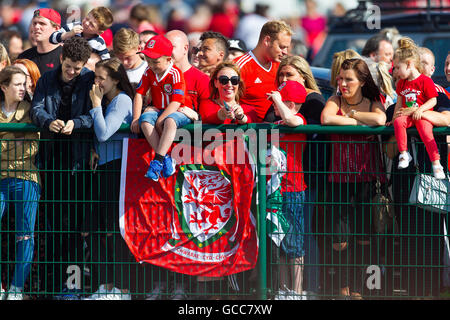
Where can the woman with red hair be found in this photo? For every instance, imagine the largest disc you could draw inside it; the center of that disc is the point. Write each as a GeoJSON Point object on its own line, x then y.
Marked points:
{"type": "Point", "coordinates": [32, 72]}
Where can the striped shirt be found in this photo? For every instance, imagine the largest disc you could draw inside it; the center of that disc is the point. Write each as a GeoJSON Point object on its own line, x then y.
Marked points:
{"type": "Point", "coordinates": [441, 89]}
{"type": "Point", "coordinates": [170, 87]}
{"type": "Point", "coordinates": [97, 43]}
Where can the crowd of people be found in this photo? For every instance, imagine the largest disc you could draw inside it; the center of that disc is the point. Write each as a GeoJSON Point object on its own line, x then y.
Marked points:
{"type": "Point", "coordinates": [155, 81]}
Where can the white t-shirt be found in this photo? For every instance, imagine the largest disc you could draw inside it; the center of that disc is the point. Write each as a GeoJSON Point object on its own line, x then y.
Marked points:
{"type": "Point", "coordinates": [135, 75]}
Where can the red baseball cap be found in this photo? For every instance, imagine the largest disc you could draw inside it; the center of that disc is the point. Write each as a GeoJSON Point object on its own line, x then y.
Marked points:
{"type": "Point", "coordinates": [158, 46]}
{"type": "Point", "coordinates": [50, 14]}
{"type": "Point", "coordinates": [292, 91]}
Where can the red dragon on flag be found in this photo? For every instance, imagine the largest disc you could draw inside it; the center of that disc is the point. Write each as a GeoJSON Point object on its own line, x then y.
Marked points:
{"type": "Point", "coordinates": [196, 222]}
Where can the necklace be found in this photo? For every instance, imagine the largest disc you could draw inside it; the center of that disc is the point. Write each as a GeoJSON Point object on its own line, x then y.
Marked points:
{"type": "Point", "coordinates": [354, 104]}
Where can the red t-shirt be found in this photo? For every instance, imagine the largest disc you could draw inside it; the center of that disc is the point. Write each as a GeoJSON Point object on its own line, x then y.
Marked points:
{"type": "Point", "coordinates": [208, 113]}
{"type": "Point", "coordinates": [419, 90]}
{"type": "Point", "coordinates": [258, 81]}
{"type": "Point", "coordinates": [171, 87]}
{"type": "Point", "coordinates": [293, 144]}
{"type": "Point", "coordinates": [197, 86]}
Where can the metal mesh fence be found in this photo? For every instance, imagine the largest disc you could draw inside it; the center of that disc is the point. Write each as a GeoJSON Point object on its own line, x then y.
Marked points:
{"type": "Point", "coordinates": [330, 247]}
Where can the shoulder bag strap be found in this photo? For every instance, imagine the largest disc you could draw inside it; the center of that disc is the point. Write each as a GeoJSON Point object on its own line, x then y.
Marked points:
{"type": "Point", "coordinates": [414, 150]}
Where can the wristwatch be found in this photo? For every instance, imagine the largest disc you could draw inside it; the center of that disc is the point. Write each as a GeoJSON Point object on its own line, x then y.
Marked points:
{"type": "Point", "coordinates": [352, 112]}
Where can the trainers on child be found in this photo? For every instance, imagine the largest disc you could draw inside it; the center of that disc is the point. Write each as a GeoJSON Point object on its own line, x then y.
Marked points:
{"type": "Point", "coordinates": [154, 170]}
{"type": "Point", "coordinates": [403, 160]}
{"type": "Point", "coordinates": [168, 166]}
{"type": "Point", "coordinates": [438, 171]}
{"type": "Point", "coordinates": [14, 293]}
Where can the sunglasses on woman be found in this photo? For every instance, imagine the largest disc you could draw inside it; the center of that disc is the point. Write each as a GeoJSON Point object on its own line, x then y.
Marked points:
{"type": "Point", "coordinates": [195, 50]}
{"type": "Point", "coordinates": [224, 80]}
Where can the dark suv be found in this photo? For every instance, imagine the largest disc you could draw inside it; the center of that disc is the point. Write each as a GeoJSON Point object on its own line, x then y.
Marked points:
{"type": "Point", "coordinates": [428, 27]}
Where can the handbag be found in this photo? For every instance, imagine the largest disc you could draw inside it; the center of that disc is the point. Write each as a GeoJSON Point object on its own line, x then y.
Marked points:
{"type": "Point", "coordinates": [383, 214]}
{"type": "Point", "coordinates": [428, 192]}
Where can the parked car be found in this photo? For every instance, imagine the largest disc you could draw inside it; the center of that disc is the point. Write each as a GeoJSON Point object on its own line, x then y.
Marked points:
{"type": "Point", "coordinates": [322, 77]}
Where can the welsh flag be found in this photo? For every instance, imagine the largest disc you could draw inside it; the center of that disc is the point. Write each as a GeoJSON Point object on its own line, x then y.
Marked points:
{"type": "Point", "coordinates": [277, 225]}
{"type": "Point", "coordinates": [196, 222]}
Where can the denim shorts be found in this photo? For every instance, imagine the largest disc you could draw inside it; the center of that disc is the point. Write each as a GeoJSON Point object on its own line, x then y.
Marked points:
{"type": "Point", "coordinates": [151, 116]}
{"type": "Point", "coordinates": [292, 244]}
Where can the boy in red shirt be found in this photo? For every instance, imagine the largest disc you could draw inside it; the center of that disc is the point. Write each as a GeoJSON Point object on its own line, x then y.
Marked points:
{"type": "Point", "coordinates": [160, 121]}
{"type": "Point", "coordinates": [287, 102]}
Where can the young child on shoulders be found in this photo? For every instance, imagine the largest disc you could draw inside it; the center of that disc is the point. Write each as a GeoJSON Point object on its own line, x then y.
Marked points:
{"type": "Point", "coordinates": [416, 95]}
{"type": "Point", "coordinates": [160, 121]}
{"type": "Point", "coordinates": [93, 25]}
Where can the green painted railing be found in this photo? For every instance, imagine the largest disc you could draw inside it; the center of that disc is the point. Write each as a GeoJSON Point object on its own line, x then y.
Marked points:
{"type": "Point", "coordinates": [268, 268]}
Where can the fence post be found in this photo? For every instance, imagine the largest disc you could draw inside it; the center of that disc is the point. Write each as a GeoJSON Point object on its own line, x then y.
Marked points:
{"type": "Point", "coordinates": [261, 207]}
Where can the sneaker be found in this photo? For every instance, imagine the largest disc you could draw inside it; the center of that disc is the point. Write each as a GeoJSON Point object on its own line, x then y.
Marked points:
{"type": "Point", "coordinates": [281, 295]}
{"type": "Point", "coordinates": [154, 170]}
{"type": "Point", "coordinates": [2, 292]}
{"type": "Point", "coordinates": [168, 166]}
{"type": "Point", "coordinates": [69, 294]}
{"type": "Point", "coordinates": [178, 294]}
{"type": "Point", "coordinates": [116, 294]}
{"type": "Point", "coordinates": [97, 295]}
{"type": "Point", "coordinates": [309, 295]}
{"type": "Point", "coordinates": [438, 172]}
{"type": "Point", "coordinates": [289, 294]}
{"type": "Point", "coordinates": [15, 293]}
{"type": "Point", "coordinates": [293, 295]}
{"type": "Point", "coordinates": [403, 160]}
{"type": "Point", "coordinates": [155, 294]}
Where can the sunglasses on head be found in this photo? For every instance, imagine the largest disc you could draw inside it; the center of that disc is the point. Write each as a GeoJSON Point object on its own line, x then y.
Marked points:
{"type": "Point", "coordinates": [224, 80]}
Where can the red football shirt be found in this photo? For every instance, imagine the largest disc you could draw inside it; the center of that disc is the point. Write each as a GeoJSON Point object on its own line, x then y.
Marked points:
{"type": "Point", "coordinates": [197, 86]}
{"type": "Point", "coordinates": [258, 81]}
{"type": "Point", "coordinates": [208, 113]}
{"type": "Point", "coordinates": [170, 87]}
{"type": "Point", "coordinates": [441, 89]}
{"type": "Point", "coordinates": [419, 90]}
{"type": "Point", "coordinates": [294, 145]}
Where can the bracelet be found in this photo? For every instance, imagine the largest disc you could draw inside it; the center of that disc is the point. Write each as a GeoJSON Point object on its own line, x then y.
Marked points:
{"type": "Point", "coordinates": [353, 112]}
{"type": "Point", "coordinates": [240, 119]}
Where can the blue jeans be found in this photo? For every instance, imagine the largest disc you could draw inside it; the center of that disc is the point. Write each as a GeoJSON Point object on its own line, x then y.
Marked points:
{"type": "Point", "coordinates": [151, 116]}
{"type": "Point", "coordinates": [292, 243]}
{"type": "Point", "coordinates": [24, 194]}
